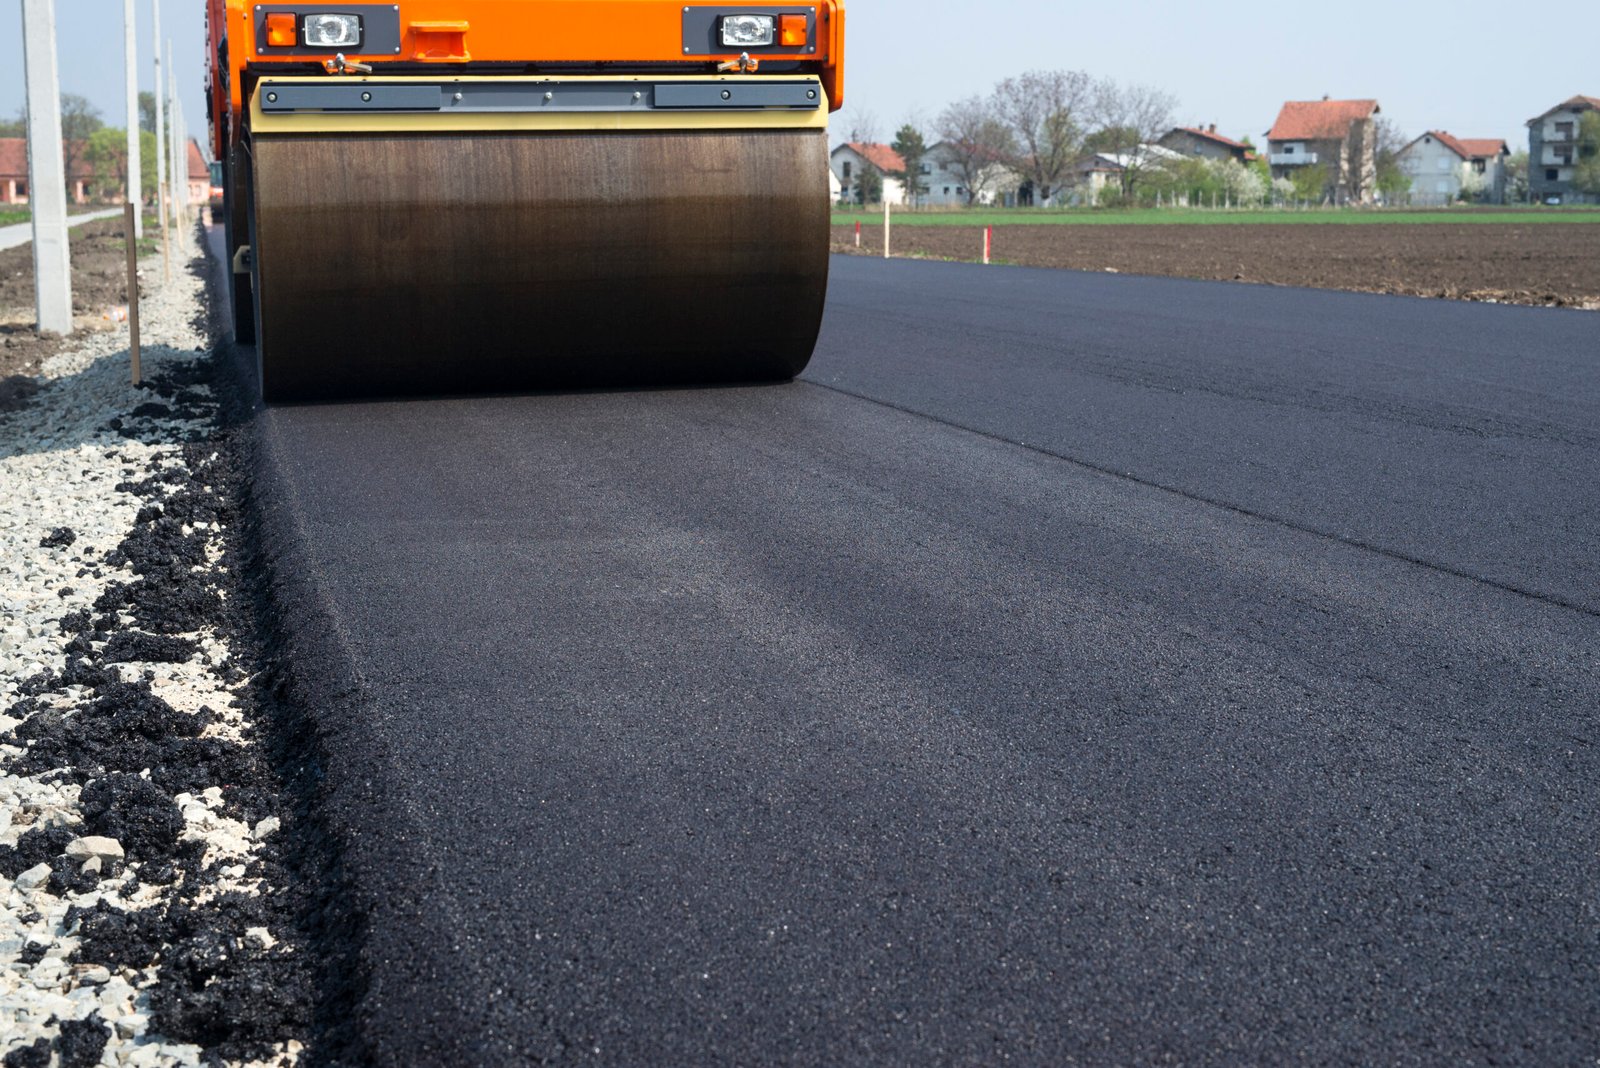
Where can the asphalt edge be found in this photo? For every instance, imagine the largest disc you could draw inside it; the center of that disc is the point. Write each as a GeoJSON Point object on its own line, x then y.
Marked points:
{"type": "Point", "coordinates": [358, 844]}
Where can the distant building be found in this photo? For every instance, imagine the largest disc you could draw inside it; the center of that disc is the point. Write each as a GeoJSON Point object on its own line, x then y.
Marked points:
{"type": "Point", "coordinates": [1339, 136]}
{"type": "Point", "coordinates": [1441, 166]}
{"type": "Point", "coordinates": [1093, 174]}
{"type": "Point", "coordinates": [851, 159]}
{"type": "Point", "coordinates": [1553, 149]}
{"type": "Point", "coordinates": [1207, 144]}
{"type": "Point", "coordinates": [944, 179]}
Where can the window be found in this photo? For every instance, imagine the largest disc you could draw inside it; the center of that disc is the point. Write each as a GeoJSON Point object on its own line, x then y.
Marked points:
{"type": "Point", "coordinates": [1444, 163]}
{"type": "Point", "coordinates": [847, 170]}
{"type": "Point", "coordinates": [1480, 166]}
{"type": "Point", "coordinates": [1563, 131]}
{"type": "Point", "coordinates": [22, 188]}
{"type": "Point", "coordinates": [1288, 150]}
{"type": "Point", "coordinates": [1551, 174]}
{"type": "Point", "coordinates": [927, 168]}
{"type": "Point", "coordinates": [1443, 187]}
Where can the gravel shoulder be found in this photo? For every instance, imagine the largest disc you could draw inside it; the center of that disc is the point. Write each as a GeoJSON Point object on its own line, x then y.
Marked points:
{"type": "Point", "coordinates": [1551, 264]}
{"type": "Point", "coordinates": [147, 912]}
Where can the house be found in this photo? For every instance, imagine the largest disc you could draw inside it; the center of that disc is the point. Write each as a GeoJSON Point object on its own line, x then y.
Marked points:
{"type": "Point", "coordinates": [945, 174]}
{"type": "Point", "coordinates": [1091, 175]}
{"type": "Point", "coordinates": [1442, 167]}
{"type": "Point", "coordinates": [1206, 143]}
{"type": "Point", "coordinates": [1553, 149]}
{"type": "Point", "coordinates": [852, 158]}
{"type": "Point", "coordinates": [199, 175]}
{"type": "Point", "coordinates": [14, 174]}
{"type": "Point", "coordinates": [1339, 136]}
{"type": "Point", "coordinates": [13, 170]}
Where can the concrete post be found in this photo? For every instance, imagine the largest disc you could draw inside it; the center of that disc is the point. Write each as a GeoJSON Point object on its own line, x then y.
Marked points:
{"type": "Point", "coordinates": [130, 54]}
{"type": "Point", "coordinates": [161, 121]}
{"type": "Point", "coordinates": [174, 178]}
{"type": "Point", "coordinates": [47, 181]}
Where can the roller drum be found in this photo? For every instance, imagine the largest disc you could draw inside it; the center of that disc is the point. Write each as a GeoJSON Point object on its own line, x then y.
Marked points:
{"type": "Point", "coordinates": [472, 262]}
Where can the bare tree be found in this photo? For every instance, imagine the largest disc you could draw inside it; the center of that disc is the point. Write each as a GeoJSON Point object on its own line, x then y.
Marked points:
{"type": "Point", "coordinates": [1044, 110]}
{"type": "Point", "coordinates": [1388, 140]}
{"type": "Point", "coordinates": [1128, 119]}
{"type": "Point", "coordinates": [864, 126]}
{"type": "Point", "coordinates": [978, 144]}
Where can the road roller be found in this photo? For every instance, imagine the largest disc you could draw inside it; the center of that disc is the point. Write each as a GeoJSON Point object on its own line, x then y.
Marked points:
{"type": "Point", "coordinates": [465, 196]}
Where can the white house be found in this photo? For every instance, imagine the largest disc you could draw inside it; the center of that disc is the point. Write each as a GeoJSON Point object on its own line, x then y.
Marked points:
{"type": "Point", "coordinates": [1441, 166]}
{"type": "Point", "coordinates": [944, 180]}
{"type": "Point", "coordinates": [850, 159]}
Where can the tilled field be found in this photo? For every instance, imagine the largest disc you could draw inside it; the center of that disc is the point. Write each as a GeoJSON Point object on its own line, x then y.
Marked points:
{"type": "Point", "coordinates": [1549, 264]}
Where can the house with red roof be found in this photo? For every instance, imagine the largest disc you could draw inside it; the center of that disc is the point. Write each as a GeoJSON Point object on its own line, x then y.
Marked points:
{"type": "Point", "coordinates": [1554, 147]}
{"type": "Point", "coordinates": [84, 184]}
{"type": "Point", "coordinates": [854, 158]}
{"type": "Point", "coordinates": [1205, 142]}
{"type": "Point", "coordinates": [1337, 136]}
{"type": "Point", "coordinates": [1444, 168]}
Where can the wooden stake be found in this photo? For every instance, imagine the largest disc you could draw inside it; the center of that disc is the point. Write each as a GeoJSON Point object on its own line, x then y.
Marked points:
{"type": "Point", "coordinates": [130, 230]}
{"type": "Point", "coordinates": [885, 227]}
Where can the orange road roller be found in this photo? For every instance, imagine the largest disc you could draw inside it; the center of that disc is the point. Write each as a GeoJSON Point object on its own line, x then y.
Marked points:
{"type": "Point", "coordinates": [454, 196]}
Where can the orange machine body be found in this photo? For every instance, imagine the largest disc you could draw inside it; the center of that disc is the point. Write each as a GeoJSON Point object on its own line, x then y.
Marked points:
{"type": "Point", "coordinates": [503, 36]}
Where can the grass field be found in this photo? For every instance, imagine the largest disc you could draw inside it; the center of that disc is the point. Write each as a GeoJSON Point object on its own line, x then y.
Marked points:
{"type": "Point", "coordinates": [1176, 216]}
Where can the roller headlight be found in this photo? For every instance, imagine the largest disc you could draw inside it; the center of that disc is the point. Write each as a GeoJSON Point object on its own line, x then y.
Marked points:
{"type": "Point", "coordinates": [331, 31]}
{"type": "Point", "coordinates": [747, 31]}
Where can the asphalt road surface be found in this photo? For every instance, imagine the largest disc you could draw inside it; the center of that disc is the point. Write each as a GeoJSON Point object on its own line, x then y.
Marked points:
{"type": "Point", "coordinates": [1071, 669]}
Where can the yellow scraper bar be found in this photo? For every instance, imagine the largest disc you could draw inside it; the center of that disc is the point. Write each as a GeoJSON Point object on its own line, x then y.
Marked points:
{"type": "Point", "coordinates": [534, 117]}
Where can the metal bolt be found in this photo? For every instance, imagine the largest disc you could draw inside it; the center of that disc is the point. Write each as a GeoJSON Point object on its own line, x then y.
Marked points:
{"type": "Point", "coordinates": [366, 96]}
{"type": "Point", "coordinates": [726, 95]}
{"type": "Point", "coordinates": [458, 96]}
{"type": "Point", "coordinates": [272, 98]}
{"type": "Point", "coordinates": [638, 96]}
{"type": "Point", "coordinates": [549, 96]}
{"type": "Point", "coordinates": [811, 94]}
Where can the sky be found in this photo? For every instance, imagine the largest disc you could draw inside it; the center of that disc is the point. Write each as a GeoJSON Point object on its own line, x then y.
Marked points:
{"type": "Point", "coordinates": [89, 55]}
{"type": "Point", "coordinates": [1461, 66]}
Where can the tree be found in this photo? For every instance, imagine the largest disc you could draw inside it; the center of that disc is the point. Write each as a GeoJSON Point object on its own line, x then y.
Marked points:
{"type": "Point", "coordinates": [106, 152]}
{"type": "Point", "coordinates": [1044, 111]}
{"type": "Point", "coordinates": [1586, 166]}
{"type": "Point", "coordinates": [1128, 118]}
{"type": "Point", "coordinates": [79, 120]}
{"type": "Point", "coordinates": [869, 185]}
{"type": "Point", "coordinates": [1388, 140]}
{"type": "Point", "coordinates": [147, 111]}
{"type": "Point", "coordinates": [1241, 185]}
{"type": "Point", "coordinates": [1310, 183]}
{"type": "Point", "coordinates": [864, 126]}
{"type": "Point", "coordinates": [978, 143]}
{"type": "Point", "coordinates": [912, 147]}
{"type": "Point", "coordinates": [1516, 170]}
{"type": "Point", "coordinates": [17, 127]}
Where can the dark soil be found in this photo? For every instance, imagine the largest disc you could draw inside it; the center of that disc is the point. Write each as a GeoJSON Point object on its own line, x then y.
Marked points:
{"type": "Point", "coordinates": [1550, 263]}
{"type": "Point", "coordinates": [99, 281]}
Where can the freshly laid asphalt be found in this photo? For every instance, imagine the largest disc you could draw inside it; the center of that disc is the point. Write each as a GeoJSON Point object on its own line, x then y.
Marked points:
{"type": "Point", "coordinates": [1070, 669]}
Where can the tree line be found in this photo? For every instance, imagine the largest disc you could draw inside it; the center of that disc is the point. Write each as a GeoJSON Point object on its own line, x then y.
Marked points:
{"type": "Point", "coordinates": [88, 143]}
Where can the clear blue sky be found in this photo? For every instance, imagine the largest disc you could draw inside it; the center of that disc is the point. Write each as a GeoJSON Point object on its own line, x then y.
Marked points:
{"type": "Point", "coordinates": [89, 54]}
{"type": "Point", "coordinates": [1465, 66]}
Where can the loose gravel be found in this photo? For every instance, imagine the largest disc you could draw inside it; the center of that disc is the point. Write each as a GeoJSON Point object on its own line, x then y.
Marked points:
{"type": "Point", "coordinates": [146, 915]}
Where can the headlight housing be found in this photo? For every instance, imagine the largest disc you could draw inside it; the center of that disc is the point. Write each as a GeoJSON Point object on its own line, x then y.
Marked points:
{"type": "Point", "coordinates": [331, 31]}
{"type": "Point", "coordinates": [748, 31]}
